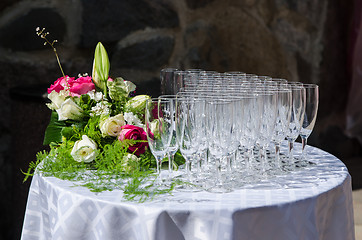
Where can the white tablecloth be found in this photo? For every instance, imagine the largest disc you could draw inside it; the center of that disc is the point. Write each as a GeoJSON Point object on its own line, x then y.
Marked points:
{"type": "Point", "coordinates": [322, 210]}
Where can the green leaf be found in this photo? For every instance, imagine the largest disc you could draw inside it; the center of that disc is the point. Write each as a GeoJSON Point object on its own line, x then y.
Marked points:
{"type": "Point", "coordinates": [178, 158]}
{"type": "Point", "coordinates": [67, 132]}
{"type": "Point", "coordinates": [53, 133]}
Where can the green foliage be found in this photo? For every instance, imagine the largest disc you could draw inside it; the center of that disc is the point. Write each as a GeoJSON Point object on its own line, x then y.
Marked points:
{"type": "Point", "coordinates": [118, 106]}
{"type": "Point", "coordinates": [107, 172]}
{"type": "Point", "coordinates": [114, 167]}
{"type": "Point", "coordinates": [86, 103]}
{"type": "Point", "coordinates": [179, 159]}
{"type": "Point", "coordinates": [111, 158]}
{"type": "Point", "coordinates": [54, 129]}
{"type": "Point", "coordinates": [147, 160]}
{"type": "Point", "coordinates": [33, 165]}
{"type": "Point", "coordinates": [93, 132]}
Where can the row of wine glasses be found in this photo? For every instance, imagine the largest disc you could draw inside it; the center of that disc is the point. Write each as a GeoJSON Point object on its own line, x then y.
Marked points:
{"type": "Point", "coordinates": [225, 123]}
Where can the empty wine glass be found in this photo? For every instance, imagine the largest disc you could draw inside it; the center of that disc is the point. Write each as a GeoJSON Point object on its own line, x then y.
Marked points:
{"type": "Point", "coordinates": [284, 106]}
{"type": "Point", "coordinates": [158, 119]}
{"type": "Point", "coordinates": [186, 133]}
{"type": "Point", "coordinates": [310, 114]}
{"type": "Point", "coordinates": [173, 147]}
{"type": "Point", "coordinates": [268, 118]}
{"type": "Point", "coordinates": [296, 119]}
{"type": "Point", "coordinates": [249, 127]}
{"type": "Point", "coordinates": [168, 83]}
{"type": "Point", "coordinates": [219, 124]}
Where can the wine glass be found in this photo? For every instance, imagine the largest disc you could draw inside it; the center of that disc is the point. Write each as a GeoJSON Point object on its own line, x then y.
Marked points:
{"type": "Point", "coordinates": [168, 83]}
{"type": "Point", "coordinates": [296, 119]}
{"type": "Point", "coordinates": [173, 147]}
{"type": "Point", "coordinates": [219, 123]}
{"type": "Point", "coordinates": [249, 127]}
{"type": "Point", "coordinates": [284, 106]}
{"type": "Point", "coordinates": [158, 119]}
{"type": "Point", "coordinates": [268, 115]}
{"type": "Point", "coordinates": [179, 79]}
{"type": "Point", "coordinates": [186, 133]}
{"type": "Point", "coordinates": [310, 115]}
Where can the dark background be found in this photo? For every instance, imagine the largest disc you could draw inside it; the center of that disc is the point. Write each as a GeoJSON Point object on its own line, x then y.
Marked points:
{"type": "Point", "coordinates": [307, 41]}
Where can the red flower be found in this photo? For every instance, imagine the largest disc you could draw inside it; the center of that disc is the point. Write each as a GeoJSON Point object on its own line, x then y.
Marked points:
{"type": "Point", "coordinates": [80, 86]}
{"type": "Point", "coordinates": [77, 87]}
{"type": "Point", "coordinates": [136, 133]}
{"type": "Point", "coordinates": [60, 84]}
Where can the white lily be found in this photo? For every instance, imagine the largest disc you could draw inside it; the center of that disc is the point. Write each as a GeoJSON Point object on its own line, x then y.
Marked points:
{"type": "Point", "coordinates": [101, 67]}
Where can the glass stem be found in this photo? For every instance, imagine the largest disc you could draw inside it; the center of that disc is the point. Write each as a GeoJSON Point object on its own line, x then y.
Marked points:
{"type": "Point", "coordinates": [199, 162]}
{"type": "Point", "coordinates": [170, 165]}
{"type": "Point", "coordinates": [218, 171]}
{"type": "Point", "coordinates": [158, 165]}
{"type": "Point", "coordinates": [235, 165]}
{"type": "Point", "coordinates": [158, 169]}
{"type": "Point", "coordinates": [304, 144]}
{"type": "Point", "coordinates": [203, 160]}
{"type": "Point", "coordinates": [249, 160]}
{"type": "Point", "coordinates": [228, 163]}
{"type": "Point", "coordinates": [291, 147]}
{"type": "Point", "coordinates": [188, 169]}
{"type": "Point", "coordinates": [170, 162]}
{"type": "Point", "coordinates": [263, 159]}
{"type": "Point", "coordinates": [207, 156]}
{"type": "Point", "coordinates": [277, 157]}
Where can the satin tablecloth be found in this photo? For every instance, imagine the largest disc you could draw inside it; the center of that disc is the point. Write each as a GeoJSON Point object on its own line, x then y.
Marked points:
{"type": "Point", "coordinates": [306, 209]}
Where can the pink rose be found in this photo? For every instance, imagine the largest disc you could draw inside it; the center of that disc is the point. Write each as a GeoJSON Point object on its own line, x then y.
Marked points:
{"type": "Point", "coordinates": [136, 133]}
{"type": "Point", "coordinates": [80, 86]}
{"type": "Point", "coordinates": [60, 84]}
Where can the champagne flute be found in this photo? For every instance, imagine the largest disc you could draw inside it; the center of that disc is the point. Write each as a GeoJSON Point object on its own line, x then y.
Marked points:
{"type": "Point", "coordinates": [220, 123]}
{"type": "Point", "coordinates": [268, 116]}
{"type": "Point", "coordinates": [158, 119]}
{"type": "Point", "coordinates": [296, 119]}
{"type": "Point", "coordinates": [186, 133]}
{"type": "Point", "coordinates": [284, 106]}
{"type": "Point", "coordinates": [250, 125]}
{"type": "Point", "coordinates": [310, 115]}
{"type": "Point", "coordinates": [168, 83]}
{"type": "Point", "coordinates": [173, 147]}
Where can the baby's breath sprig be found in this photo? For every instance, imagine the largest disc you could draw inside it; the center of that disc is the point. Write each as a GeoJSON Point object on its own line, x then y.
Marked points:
{"type": "Point", "coordinates": [43, 34]}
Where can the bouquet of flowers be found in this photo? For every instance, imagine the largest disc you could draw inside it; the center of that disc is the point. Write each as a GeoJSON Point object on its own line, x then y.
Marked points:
{"type": "Point", "coordinates": [97, 125]}
{"type": "Point", "coordinates": [96, 111]}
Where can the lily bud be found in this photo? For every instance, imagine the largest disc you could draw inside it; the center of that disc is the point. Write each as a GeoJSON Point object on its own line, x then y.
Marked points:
{"type": "Point", "coordinates": [101, 67]}
{"type": "Point", "coordinates": [137, 104]}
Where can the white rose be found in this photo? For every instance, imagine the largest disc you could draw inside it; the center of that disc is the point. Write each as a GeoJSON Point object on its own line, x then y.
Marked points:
{"type": "Point", "coordinates": [69, 110]}
{"type": "Point", "coordinates": [57, 99]}
{"type": "Point", "coordinates": [112, 126]}
{"type": "Point", "coordinates": [84, 150]}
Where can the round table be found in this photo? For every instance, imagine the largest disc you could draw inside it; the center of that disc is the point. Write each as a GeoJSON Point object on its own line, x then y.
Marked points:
{"type": "Point", "coordinates": [315, 203]}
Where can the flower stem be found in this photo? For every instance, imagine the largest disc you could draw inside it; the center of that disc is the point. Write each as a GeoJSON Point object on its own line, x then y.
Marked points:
{"type": "Point", "coordinates": [58, 60]}
{"type": "Point", "coordinates": [41, 33]}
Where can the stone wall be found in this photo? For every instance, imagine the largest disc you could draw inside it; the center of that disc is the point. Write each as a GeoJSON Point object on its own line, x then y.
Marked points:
{"type": "Point", "coordinates": [299, 40]}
